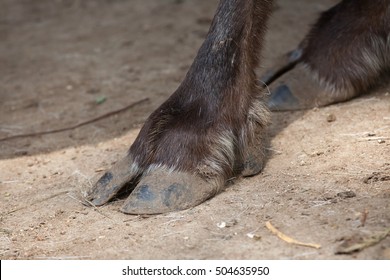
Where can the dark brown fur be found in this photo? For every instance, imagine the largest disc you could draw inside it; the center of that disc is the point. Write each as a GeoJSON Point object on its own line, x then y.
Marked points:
{"type": "Point", "coordinates": [214, 97]}
{"type": "Point", "coordinates": [349, 46]}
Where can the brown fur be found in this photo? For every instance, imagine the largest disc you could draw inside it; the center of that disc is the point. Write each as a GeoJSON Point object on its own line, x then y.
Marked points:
{"type": "Point", "coordinates": [205, 126]}
{"type": "Point", "coordinates": [349, 47]}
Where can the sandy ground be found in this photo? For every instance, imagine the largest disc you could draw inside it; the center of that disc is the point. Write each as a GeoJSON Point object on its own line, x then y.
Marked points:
{"type": "Point", "coordinates": [327, 179]}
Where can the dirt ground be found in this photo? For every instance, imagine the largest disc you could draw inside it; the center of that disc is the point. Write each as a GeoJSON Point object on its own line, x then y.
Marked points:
{"type": "Point", "coordinates": [62, 62]}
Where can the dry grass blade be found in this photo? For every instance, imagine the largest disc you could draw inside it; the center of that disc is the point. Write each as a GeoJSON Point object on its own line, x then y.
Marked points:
{"type": "Point", "coordinates": [356, 244]}
{"type": "Point", "coordinates": [86, 202]}
{"type": "Point", "coordinates": [5, 231]}
{"type": "Point", "coordinates": [288, 239]}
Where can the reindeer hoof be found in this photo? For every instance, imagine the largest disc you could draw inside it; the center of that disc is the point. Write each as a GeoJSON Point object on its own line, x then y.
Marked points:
{"type": "Point", "coordinates": [298, 89]}
{"type": "Point", "coordinates": [253, 165]}
{"type": "Point", "coordinates": [164, 191]}
{"type": "Point", "coordinates": [158, 191]}
{"type": "Point", "coordinates": [281, 99]}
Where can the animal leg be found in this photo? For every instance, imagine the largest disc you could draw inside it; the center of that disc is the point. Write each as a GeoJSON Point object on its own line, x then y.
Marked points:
{"type": "Point", "coordinates": [344, 54]}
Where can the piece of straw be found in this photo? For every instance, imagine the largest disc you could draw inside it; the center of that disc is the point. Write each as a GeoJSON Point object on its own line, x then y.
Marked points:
{"type": "Point", "coordinates": [289, 239]}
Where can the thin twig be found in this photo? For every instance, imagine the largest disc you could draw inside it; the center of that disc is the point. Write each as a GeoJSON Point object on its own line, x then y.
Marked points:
{"type": "Point", "coordinates": [62, 257]}
{"type": "Point", "coordinates": [373, 139]}
{"type": "Point", "coordinates": [289, 239]}
{"type": "Point", "coordinates": [357, 244]}
{"type": "Point", "coordinates": [5, 231]}
{"type": "Point", "coordinates": [38, 201]}
{"type": "Point", "coordinates": [39, 133]}
{"type": "Point", "coordinates": [4, 251]}
{"type": "Point", "coordinates": [86, 202]}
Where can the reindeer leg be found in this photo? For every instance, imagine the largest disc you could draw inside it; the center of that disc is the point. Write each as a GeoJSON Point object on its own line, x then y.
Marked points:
{"type": "Point", "coordinates": [190, 145]}
{"type": "Point", "coordinates": [345, 53]}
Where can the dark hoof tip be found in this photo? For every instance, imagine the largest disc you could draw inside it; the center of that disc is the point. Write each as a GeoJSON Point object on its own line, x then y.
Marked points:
{"type": "Point", "coordinates": [163, 191]}
{"type": "Point", "coordinates": [120, 177]}
{"type": "Point", "coordinates": [252, 166]}
{"type": "Point", "coordinates": [282, 99]}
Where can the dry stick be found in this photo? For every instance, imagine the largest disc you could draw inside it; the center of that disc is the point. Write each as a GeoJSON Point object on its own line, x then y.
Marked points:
{"type": "Point", "coordinates": [5, 231]}
{"type": "Point", "coordinates": [84, 202]}
{"type": "Point", "coordinates": [362, 244]}
{"type": "Point", "coordinates": [34, 134]}
{"type": "Point", "coordinates": [373, 139]}
{"type": "Point", "coordinates": [289, 239]}
{"type": "Point", "coordinates": [62, 257]}
{"type": "Point", "coordinates": [38, 201]}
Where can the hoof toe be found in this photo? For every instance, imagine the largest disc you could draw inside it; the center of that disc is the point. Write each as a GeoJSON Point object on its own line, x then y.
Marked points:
{"type": "Point", "coordinates": [252, 166]}
{"type": "Point", "coordinates": [122, 174]}
{"type": "Point", "coordinates": [281, 99]}
{"type": "Point", "coordinates": [163, 191]}
{"type": "Point", "coordinates": [298, 89]}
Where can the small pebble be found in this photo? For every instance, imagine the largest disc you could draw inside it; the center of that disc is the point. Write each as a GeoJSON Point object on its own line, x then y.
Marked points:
{"type": "Point", "coordinates": [346, 194]}
{"type": "Point", "coordinates": [331, 118]}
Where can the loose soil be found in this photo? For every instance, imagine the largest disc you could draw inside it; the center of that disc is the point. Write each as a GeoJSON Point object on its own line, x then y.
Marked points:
{"type": "Point", "coordinates": [327, 179]}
